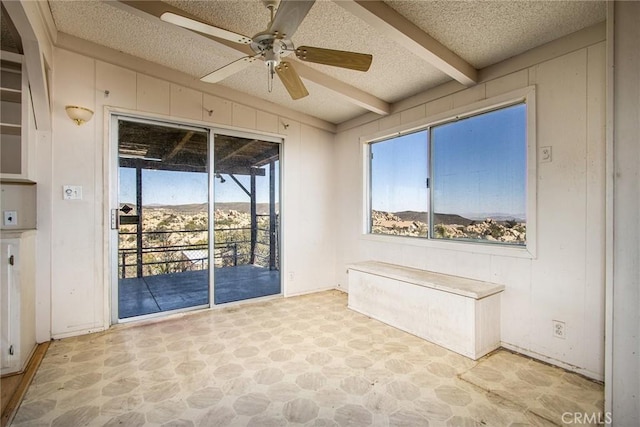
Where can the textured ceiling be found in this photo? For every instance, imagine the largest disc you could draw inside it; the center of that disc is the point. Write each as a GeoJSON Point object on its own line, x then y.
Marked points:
{"type": "Point", "coordinates": [487, 32]}
{"type": "Point", "coordinates": [162, 43]}
{"type": "Point", "coordinates": [9, 40]}
{"type": "Point", "coordinates": [481, 32]}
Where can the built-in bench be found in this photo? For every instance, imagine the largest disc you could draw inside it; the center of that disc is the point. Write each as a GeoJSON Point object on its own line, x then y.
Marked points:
{"type": "Point", "coordinates": [460, 314]}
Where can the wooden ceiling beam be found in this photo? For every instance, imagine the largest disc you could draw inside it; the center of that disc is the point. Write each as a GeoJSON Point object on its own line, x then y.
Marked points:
{"type": "Point", "coordinates": [389, 23]}
{"type": "Point", "coordinates": [349, 93]}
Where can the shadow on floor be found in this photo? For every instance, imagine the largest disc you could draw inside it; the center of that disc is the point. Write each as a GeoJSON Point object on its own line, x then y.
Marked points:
{"type": "Point", "coordinates": [154, 294]}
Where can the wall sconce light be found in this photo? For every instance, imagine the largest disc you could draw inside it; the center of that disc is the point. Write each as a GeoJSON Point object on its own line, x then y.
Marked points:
{"type": "Point", "coordinates": [79, 115]}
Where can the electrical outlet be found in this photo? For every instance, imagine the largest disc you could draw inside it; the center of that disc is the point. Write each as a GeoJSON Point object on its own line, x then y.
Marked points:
{"type": "Point", "coordinates": [10, 218]}
{"type": "Point", "coordinates": [72, 192]}
{"type": "Point", "coordinates": [545, 154]}
{"type": "Point", "coordinates": [559, 329]}
{"type": "Point", "coordinates": [291, 276]}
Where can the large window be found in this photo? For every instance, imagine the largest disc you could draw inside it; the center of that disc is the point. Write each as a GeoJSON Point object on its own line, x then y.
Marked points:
{"type": "Point", "coordinates": [463, 179]}
{"type": "Point", "coordinates": [398, 186]}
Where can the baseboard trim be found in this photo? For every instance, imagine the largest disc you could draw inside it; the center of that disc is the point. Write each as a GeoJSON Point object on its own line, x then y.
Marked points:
{"type": "Point", "coordinates": [29, 372]}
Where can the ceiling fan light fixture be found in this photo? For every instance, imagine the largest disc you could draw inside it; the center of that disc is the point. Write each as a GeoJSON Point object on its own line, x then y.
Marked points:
{"type": "Point", "coordinates": [272, 59]}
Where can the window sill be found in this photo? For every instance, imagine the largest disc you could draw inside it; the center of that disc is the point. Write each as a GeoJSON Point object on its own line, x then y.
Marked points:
{"type": "Point", "coordinates": [478, 248]}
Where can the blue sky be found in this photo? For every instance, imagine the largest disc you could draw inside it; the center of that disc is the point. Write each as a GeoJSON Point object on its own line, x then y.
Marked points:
{"type": "Point", "coordinates": [479, 167]}
{"type": "Point", "coordinates": [179, 188]}
{"type": "Point", "coordinates": [399, 173]}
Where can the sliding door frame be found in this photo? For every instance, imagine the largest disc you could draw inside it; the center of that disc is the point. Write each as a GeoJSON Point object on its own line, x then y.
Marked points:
{"type": "Point", "coordinates": [111, 164]}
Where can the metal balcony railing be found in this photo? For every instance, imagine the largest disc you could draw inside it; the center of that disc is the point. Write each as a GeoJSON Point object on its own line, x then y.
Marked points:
{"type": "Point", "coordinates": [166, 252]}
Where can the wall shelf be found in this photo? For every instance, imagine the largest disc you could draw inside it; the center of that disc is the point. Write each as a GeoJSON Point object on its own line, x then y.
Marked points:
{"type": "Point", "coordinates": [13, 112]}
{"type": "Point", "coordinates": [10, 95]}
{"type": "Point", "coordinates": [10, 129]}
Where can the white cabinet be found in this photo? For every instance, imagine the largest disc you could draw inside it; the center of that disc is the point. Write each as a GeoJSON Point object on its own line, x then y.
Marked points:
{"type": "Point", "coordinates": [17, 300]}
{"type": "Point", "coordinates": [10, 306]}
{"type": "Point", "coordinates": [14, 110]}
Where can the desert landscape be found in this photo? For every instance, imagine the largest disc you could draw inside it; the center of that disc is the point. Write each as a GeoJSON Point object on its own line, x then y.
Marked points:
{"type": "Point", "coordinates": [175, 238]}
{"type": "Point", "coordinates": [416, 224]}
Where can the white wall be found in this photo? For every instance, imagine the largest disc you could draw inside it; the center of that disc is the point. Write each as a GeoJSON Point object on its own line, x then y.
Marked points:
{"type": "Point", "coordinates": [623, 381]}
{"type": "Point", "coordinates": [565, 281]}
{"type": "Point", "coordinates": [77, 288]}
{"type": "Point", "coordinates": [309, 238]}
{"type": "Point", "coordinates": [79, 244]}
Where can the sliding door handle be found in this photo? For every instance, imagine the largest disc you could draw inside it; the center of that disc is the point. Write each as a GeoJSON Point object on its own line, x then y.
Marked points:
{"type": "Point", "coordinates": [115, 219]}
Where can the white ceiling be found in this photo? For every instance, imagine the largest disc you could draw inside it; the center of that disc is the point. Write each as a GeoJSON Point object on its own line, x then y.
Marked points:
{"type": "Point", "coordinates": [481, 32]}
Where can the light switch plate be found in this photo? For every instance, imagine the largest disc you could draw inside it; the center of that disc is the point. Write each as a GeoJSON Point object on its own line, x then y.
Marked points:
{"type": "Point", "coordinates": [72, 192]}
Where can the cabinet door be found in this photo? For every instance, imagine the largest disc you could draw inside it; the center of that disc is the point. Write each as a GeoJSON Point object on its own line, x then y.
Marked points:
{"type": "Point", "coordinates": [9, 306]}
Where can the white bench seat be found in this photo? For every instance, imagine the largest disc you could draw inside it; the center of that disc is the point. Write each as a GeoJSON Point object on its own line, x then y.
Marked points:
{"type": "Point", "coordinates": [457, 313]}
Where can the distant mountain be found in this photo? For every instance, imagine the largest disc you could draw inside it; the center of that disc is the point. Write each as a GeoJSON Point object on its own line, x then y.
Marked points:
{"type": "Point", "coordinates": [449, 219]}
{"type": "Point", "coordinates": [498, 216]}
{"type": "Point", "coordinates": [193, 207]}
{"type": "Point", "coordinates": [263, 209]}
{"type": "Point", "coordinates": [413, 216]}
{"type": "Point", "coordinates": [440, 218]}
{"type": "Point", "coordinates": [244, 207]}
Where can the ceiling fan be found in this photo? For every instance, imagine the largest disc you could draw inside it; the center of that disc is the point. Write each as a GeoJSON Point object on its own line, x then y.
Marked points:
{"type": "Point", "coordinates": [273, 45]}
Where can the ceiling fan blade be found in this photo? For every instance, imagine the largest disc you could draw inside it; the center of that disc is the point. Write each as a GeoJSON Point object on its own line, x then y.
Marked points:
{"type": "Point", "coordinates": [291, 80]}
{"type": "Point", "coordinates": [229, 69]}
{"type": "Point", "coordinates": [337, 58]}
{"type": "Point", "coordinates": [289, 16]}
{"type": "Point", "coordinates": [201, 27]}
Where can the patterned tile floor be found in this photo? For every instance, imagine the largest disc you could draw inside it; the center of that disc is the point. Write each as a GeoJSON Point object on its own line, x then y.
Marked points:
{"type": "Point", "coordinates": [298, 361]}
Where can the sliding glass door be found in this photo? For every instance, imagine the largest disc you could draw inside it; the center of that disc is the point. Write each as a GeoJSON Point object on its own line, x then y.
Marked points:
{"type": "Point", "coordinates": [163, 215]}
{"type": "Point", "coordinates": [196, 220]}
{"type": "Point", "coordinates": [246, 219]}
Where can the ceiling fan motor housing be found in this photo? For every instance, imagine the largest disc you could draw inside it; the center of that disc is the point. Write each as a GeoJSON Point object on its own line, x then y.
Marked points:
{"type": "Point", "coordinates": [263, 42]}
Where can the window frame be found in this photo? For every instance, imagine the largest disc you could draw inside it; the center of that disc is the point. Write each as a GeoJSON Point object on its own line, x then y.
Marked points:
{"type": "Point", "coordinates": [525, 95]}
